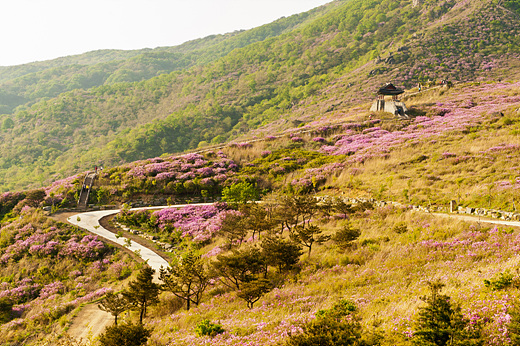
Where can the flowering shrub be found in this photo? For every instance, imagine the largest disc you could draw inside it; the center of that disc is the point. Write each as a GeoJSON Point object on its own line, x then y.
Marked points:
{"type": "Point", "coordinates": [180, 175]}
{"type": "Point", "coordinates": [197, 222]}
{"type": "Point", "coordinates": [61, 270]}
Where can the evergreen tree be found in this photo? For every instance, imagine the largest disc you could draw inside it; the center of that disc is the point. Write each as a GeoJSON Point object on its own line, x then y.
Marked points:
{"type": "Point", "coordinates": [256, 218]}
{"type": "Point", "coordinates": [239, 267]}
{"type": "Point", "coordinates": [307, 236]}
{"type": "Point", "coordinates": [440, 323]}
{"type": "Point", "coordinates": [142, 292]}
{"type": "Point", "coordinates": [233, 229]}
{"type": "Point", "coordinates": [281, 253]}
{"type": "Point", "coordinates": [252, 291]}
{"type": "Point", "coordinates": [187, 278]}
{"type": "Point", "coordinates": [115, 304]}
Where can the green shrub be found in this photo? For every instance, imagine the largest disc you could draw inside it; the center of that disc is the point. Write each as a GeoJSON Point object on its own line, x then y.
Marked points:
{"type": "Point", "coordinates": [337, 326]}
{"type": "Point", "coordinates": [503, 280]}
{"type": "Point", "coordinates": [206, 328]}
{"type": "Point", "coordinates": [126, 334]}
{"type": "Point", "coordinates": [345, 237]}
{"type": "Point", "coordinates": [400, 227]}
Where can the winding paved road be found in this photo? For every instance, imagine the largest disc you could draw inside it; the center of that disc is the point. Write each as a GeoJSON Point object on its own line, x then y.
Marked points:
{"type": "Point", "coordinates": [90, 222]}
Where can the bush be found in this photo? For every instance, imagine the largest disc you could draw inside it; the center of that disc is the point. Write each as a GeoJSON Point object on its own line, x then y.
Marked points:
{"type": "Point", "coordinates": [400, 227]}
{"type": "Point", "coordinates": [242, 192]}
{"type": "Point", "coordinates": [125, 335]}
{"type": "Point", "coordinates": [206, 328]}
{"type": "Point", "coordinates": [345, 237]}
{"type": "Point", "coordinates": [337, 326]}
{"type": "Point", "coordinates": [503, 280]}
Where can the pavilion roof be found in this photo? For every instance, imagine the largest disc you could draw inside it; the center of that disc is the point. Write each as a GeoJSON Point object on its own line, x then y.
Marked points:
{"type": "Point", "coordinates": [389, 89]}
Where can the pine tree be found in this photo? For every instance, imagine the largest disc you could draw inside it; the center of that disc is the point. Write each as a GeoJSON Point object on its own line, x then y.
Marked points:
{"type": "Point", "coordinates": [142, 292]}
{"type": "Point", "coordinates": [281, 253]}
{"type": "Point", "coordinates": [307, 236]}
{"type": "Point", "coordinates": [440, 323]}
{"type": "Point", "coordinates": [239, 267]}
{"type": "Point", "coordinates": [115, 304]}
{"type": "Point", "coordinates": [187, 278]}
{"type": "Point", "coordinates": [252, 291]}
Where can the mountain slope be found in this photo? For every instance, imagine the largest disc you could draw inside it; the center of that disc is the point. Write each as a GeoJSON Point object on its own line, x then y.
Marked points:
{"type": "Point", "coordinates": [328, 63]}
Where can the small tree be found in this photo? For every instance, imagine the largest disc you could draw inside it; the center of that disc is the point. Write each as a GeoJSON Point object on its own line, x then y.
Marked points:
{"type": "Point", "coordinates": [342, 207]}
{"type": "Point", "coordinates": [256, 219]}
{"type": "Point", "coordinates": [307, 236]}
{"type": "Point", "coordinates": [142, 292]}
{"type": "Point", "coordinates": [281, 253]}
{"type": "Point", "coordinates": [295, 210]}
{"type": "Point", "coordinates": [240, 193]}
{"type": "Point", "coordinates": [252, 291]}
{"type": "Point", "coordinates": [239, 267]}
{"type": "Point", "coordinates": [125, 335]}
{"type": "Point", "coordinates": [346, 236]}
{"type": "Point", "coordinates": [233, 228]}
{"type": "Point", "coordinates": [187, 278]}
{"type": "Point", "coordinates": [440, 323]}
{"type": "Point", "coordinates": [114, 304]}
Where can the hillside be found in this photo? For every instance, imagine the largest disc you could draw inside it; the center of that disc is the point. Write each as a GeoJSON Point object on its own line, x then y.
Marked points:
{"type": "Point", "coordinates": [325, 61]}
{"type": "Point", "coordinates": [291, 132]}
{"type": "Point", "coordinates": [377, 258]}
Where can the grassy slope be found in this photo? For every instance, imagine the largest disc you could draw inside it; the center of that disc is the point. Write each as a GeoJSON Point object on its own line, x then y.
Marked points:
{"type": "Point", "coordinates": [29, 83]}
{"type": "Point", "coordinates": [387, 272]}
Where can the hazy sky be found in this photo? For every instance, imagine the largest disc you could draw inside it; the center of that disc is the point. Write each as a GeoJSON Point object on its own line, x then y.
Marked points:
{"type": "Point", "coordinates": [35, 30]}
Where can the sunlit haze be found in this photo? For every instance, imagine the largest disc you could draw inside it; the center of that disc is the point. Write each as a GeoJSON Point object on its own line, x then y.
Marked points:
{"type": "Point", "coordinates": [35, 30]}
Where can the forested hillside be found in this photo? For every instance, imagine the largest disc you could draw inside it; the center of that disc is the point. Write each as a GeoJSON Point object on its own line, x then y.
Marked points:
{"type": "Point", "coordinates": [313, 64]}
{"type": "Point", "coordinates": [26, 84]}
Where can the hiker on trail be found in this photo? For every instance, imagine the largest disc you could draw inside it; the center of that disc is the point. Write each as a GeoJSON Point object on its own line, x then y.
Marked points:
{"type": "Point", "coordinates": [419, 87]}
{"type": "Point", "coordinates": [95, 169]}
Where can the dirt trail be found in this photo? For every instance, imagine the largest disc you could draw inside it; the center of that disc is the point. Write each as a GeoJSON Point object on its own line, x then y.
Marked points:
{"type": "Point", "coordinates": [90, 322]}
